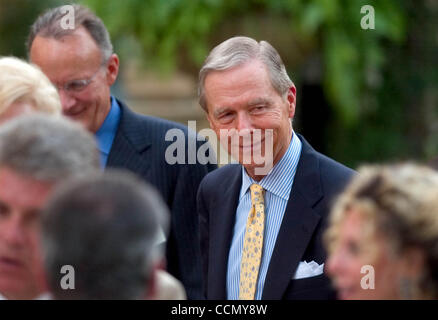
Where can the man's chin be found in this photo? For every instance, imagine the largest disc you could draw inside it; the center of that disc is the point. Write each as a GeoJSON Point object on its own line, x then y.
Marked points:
{"type": "Point", "coordinates": [257, 170]}
{"type": "Point", "coordinates": [17, 290]}
{"type": "Point", "coordinates": [83, 121]}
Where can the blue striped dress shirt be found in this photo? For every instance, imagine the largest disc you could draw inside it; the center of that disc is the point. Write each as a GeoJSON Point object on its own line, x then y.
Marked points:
{"type": "Point", "coordinates": [277, 185]}
{"type": "Point", "coordinates": [107, 131]}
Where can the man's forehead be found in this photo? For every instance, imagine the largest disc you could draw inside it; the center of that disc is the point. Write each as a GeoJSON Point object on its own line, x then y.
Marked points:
{"type": "Point", "coordinates": [77, 45]}
{"type": "Point", "coordinates": [251, 75]}
{"type": "Point", "coordinates": [70, 57]}
{"type": "Point", "coordinates": [22, 185]}
{"type": "Point", "coordinates": [76, 36]}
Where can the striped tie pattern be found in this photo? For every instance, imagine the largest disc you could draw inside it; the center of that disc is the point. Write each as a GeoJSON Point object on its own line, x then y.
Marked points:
{"type": "Point", "coordinates": [253, 244]}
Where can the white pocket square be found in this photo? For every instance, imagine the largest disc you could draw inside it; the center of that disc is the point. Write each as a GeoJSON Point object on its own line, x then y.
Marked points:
{"type": "Point", "coordinates": [308, 269]}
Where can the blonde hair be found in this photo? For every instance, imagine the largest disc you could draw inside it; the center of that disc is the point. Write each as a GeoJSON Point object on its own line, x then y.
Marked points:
{"type": "Point", "coordinates": [400, 203]}
{"type": "Point", "coordinates": [24, 82]}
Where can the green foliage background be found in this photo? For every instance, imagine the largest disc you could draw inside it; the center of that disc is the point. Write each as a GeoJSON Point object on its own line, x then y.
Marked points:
{"type": "Point", "coordinates": [380, 85]}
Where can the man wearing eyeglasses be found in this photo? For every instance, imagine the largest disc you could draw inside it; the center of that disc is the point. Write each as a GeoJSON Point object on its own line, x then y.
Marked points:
{"type": "Point", "coordinates": [81, 63]}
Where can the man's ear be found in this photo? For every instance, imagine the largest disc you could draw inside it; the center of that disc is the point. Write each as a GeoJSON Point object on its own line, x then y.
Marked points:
{"type": "Point", "coordinates": [414, 261]}
{"type": "Point", "coordinates": [151, 290]}
{"type": "Point", "coordinates": [112, 69]}
{"type": "Point", "coordinates": [291, 99]}
{"type": "Point", "coordinates": [152, 287]}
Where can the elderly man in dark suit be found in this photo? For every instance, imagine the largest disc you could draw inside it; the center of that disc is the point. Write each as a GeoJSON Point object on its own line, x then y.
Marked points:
{"type": "Point", "coordinates": [262, 221]}
{"type": "Point", "coordinates": [80, 62]}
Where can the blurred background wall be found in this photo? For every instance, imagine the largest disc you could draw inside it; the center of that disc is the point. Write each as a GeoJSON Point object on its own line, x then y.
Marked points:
{"type": "Point", "coordinates": [363, 95]}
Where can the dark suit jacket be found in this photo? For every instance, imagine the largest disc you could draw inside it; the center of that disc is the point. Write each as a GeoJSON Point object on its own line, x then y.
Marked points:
{"type": "Point", "coordinates": [317, 180]}
{"type": "Point", "coordinates": [140, 147]}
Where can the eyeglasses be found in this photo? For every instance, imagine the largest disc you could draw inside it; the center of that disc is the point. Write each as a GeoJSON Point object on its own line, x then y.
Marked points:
{"type": "Point", "coordinates": [75, 86]}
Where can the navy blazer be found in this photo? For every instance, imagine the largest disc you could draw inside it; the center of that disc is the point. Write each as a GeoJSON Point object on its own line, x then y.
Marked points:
{"type": "Point", "coordinates": [318, 180]}
{"type": "Point", "coordinates": [140, 147]}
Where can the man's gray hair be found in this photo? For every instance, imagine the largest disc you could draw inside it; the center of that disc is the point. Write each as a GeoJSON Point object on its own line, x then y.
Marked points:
{"type": "Point", "coordinates": [238, 50]}
{"type": "Point", "coordinates": [48, 25]}
{"type": "Point", "coordinates": [47, 148]}
{"type": "Point", "coordinates": [106, 226]}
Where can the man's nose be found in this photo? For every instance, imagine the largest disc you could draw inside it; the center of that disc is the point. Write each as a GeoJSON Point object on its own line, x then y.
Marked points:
{"type": "Point", "coordinates": [12, 232]}
{"type": "Point", "coordinates": [67, 101]}
{"type": "Point", "coordinates": [243, 122]}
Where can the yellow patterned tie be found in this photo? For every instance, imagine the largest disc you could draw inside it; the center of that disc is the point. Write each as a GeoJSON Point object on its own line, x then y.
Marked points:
{"type": "Point", "coordinates": [252, 244]}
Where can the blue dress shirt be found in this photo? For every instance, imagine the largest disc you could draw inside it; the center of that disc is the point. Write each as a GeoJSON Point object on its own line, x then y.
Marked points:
{"type": "Point", "coordinates": [278, 186]}
{"type": "Point", "coordinates": [107, 132]}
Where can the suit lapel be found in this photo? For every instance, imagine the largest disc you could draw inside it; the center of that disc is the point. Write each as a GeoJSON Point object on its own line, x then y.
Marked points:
{"type": "Point", "coordinates": [130, 144]}
{"type": "Point", "coordinates": [222, 221]}
{"type": "Point", "coordinates": [298, 225]}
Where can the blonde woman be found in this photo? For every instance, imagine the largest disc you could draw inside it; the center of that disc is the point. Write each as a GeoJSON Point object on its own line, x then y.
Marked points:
{"type": "Point", "coordinates": [382, 238]}
{"type": "Point", "coordinates": [24, 88]}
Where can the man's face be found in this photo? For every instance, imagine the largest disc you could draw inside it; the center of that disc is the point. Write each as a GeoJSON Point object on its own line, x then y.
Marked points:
{"type": "Point", "coordinates": [77, 57]}
{"type": "Point", "coordinates": [242, 98]}
{"type": "Point", "coordinates": [21, 267]}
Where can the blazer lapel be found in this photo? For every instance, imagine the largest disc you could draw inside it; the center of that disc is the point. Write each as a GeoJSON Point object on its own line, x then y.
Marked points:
{"type": "Point", "coordinates": [222, 221]}
{"type": "Point", "coordinates": [130, 143]}
{"type": "Point", "coordinates": [298, 225]}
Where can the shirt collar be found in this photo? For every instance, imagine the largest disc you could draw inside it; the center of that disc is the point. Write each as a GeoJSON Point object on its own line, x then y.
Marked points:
{"type": "Point", "coordinates": [107, 131]}
{"type": "Point", "coordinates": [281, 177]}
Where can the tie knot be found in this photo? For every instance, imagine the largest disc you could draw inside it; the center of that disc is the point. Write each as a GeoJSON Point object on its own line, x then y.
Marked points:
{"type": "Point", "coordinates": [256, 194]}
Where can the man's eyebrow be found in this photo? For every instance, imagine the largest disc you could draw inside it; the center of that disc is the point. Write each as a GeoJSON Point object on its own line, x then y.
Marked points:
{"type": "Point", "coordinates": [3, 205]}
{"type": "Point", "coordinates": [259, 101]}
{"type": "Point", "coordinates": [220, 111]}
{"type": "Point", "coordinates": [33, 213]}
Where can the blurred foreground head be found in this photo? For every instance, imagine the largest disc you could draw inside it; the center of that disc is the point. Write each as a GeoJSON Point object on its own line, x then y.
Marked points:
{"type": "Point", "coordinates": [36, 153]}
{"type": "Point", "coordinates": [383, 235]}
{"type": "Point", "coordinates": [24, 88]}
{"type": "Point", "coordinates": [106, 227]}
